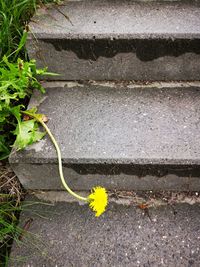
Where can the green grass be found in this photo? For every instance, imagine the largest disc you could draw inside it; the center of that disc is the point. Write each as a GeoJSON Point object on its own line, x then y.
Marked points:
{"type": "Point", "coordinates": [14, 15]}
{"type": "Point", "coordinates": [10, 230]}
{"type": "Point", "coordinates": [8, 227]}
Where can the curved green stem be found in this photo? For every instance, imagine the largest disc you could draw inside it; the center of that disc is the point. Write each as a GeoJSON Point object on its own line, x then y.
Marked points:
{"type": "Point", "coordinates": [59, 157]}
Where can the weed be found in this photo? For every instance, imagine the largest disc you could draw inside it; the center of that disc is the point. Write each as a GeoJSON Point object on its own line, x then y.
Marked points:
{"type": "Point", "coordinates": [8, 221]}
{"type": "Point", "coordinates": [16, 83]}
{"type": "Point", "coordinates": [17, 79]}
{"type": "Point", "coordinates": [10, 196]}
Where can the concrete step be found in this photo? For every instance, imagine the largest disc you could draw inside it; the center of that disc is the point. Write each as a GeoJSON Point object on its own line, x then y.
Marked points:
{"type": "Point", "coordinates": [118, 40]}
{"type": "Point", "coordinates": [66, 234]}
{"type": "Point", "coordinates": [119, 135]}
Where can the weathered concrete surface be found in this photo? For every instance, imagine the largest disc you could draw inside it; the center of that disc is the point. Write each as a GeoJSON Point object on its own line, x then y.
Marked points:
{"type": "Point", "coordinates": [108, 19]}
{"type": "Point", "coordinates": [121, 135]}
{"type": "Point", "coordinates": [118, 40]}
{"type": "Point", "coordinates": [67, 234]}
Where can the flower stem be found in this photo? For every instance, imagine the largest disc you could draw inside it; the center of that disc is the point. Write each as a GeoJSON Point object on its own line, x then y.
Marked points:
{"type": "Point", "coordinates": [59, 157]}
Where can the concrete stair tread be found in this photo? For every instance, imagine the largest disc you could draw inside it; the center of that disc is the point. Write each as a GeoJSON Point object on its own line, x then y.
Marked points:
{"type": "Point", "coordinates": [66, 234]}
{"type": "Point", "coordinates": [118, 40]}
{"type": "Point", "coordinates": [118, 19]}
{"type": "Point", "coordinates": [119, 135]}
{"type": "Point", "coordinates": [119, 123]}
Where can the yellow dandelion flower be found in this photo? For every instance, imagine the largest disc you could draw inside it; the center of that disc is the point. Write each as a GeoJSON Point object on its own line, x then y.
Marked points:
{"type": "Point", "coordinates": [98, 200]}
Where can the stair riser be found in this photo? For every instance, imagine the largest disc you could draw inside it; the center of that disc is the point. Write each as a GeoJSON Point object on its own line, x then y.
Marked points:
{"type": "Point", "coordinates": [120, 59]}
{"type": "Point", "coordinates": [119, 177]}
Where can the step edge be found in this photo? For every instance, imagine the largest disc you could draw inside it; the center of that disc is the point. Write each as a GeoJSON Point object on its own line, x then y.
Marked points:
{"type": "Point", "coordinates": [40, 35]}
{"type": "Point", "coordinates": [105, 161]}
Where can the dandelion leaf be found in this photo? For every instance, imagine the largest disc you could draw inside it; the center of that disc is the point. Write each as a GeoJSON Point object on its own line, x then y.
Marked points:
{"type": "Point", "coordinates": [27, 133]}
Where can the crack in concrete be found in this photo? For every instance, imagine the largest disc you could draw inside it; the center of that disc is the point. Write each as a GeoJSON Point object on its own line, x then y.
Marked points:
{"type": "Point", "coordinates": [127, 198]}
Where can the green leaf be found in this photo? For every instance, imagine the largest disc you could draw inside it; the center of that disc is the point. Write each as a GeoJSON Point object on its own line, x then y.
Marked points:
{"type": "Point", "coordinates": [27, 133]}
{"type": "Point", "coordinates": [16, 112]}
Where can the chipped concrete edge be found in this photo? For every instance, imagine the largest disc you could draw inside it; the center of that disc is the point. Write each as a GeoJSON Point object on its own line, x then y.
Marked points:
{"type": "Point", "coordinates": [39, 97]}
